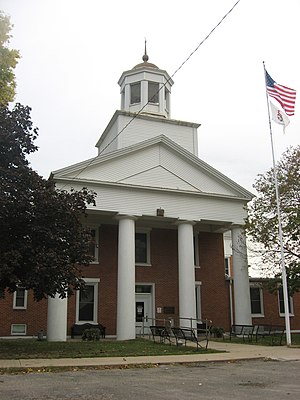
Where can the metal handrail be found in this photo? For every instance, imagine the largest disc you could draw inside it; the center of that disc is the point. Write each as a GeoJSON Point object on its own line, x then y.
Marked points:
{"type": "Point", "coordinates": [169, 323]}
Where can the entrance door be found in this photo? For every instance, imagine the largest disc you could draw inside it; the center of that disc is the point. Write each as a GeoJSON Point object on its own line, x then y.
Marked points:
{"type": "Point", "coordinates": [143, 313]}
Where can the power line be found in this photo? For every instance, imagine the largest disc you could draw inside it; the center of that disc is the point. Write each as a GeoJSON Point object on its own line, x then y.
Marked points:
{"type": "Point", "coordinates": [139, 112]}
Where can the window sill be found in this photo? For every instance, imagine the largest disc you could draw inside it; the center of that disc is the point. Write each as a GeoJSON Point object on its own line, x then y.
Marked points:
{"type": "Point", "coordinates": [257, 315]}
{"type": "Point", "coordinates": [143, 265]}
{"type": "Point", "coordinates": [283, 315]}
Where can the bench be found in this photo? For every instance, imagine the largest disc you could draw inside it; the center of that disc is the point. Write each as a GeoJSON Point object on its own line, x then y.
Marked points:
{"type": "Point", "coordinates": [273, 331]}
{"type": "Point", "coordinates": [242, 331]}
{"type": "Point", "coordinates": [188, 334]}
{"type": "Point", "coordinates": [78, 329]}
{"type": "Point", "coordinates": [161, 332]}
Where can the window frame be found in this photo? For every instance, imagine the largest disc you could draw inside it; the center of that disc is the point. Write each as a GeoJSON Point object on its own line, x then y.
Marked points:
{"type": "Point", "coordinates": [148, 260]}
{"type": "Point", "coordinates": [198, 301]}
{"type": "Point", "coordinates": [18, 333]}
{"type": "Point", "coordinates": [24, 306]}
{"type": "Point", "coordinates": [261, 301]}
{"type": "Point", "coordinates": [156, 93]}
{"type": "Point", "coordinates": [95, 228]}
{"type": "Point", "coordinates": [281, 301]}
{"type": "Point", "coordinates": [196, 248]}
{"type": "Point", "coordinates": [227, 267]}
{"type": "Point", "coordinates": [89, 282]}
{"type": "Point", "coordinates": [139, 99]}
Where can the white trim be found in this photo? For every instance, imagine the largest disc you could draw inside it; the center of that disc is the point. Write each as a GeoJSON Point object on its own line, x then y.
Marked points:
{"type": "Point", "coordinates": [18, 333]}
{"type": "Point", "coordinates": [24, 307]}
{"type": "Point", "coordinates": [198, 285]}
{"type": "Point", "coordinates": [291, 314]}
{"type": "Point", "coordinates": [196, 250]}
{"type": "Point", "coordinates": [90, 282]}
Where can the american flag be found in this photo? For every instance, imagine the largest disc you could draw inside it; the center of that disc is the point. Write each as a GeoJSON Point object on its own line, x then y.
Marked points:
{"type": "Point", "coordinates": [285, 96]}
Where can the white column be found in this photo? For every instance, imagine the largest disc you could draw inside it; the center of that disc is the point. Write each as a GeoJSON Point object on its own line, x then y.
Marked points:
{"type": "Point", "coordinates": [57, 319]}
{"type": "Point", "coordinates": [242, 305]}
{"type": "Point", "coordinates": [162, 101]}
{"type": "Point", "coordinates": [127, 98]}
{"type": "Point", "coordinates": [186, 270]}
{"type": "Point", "coordinates": [144, 93]}
{"type": "Point", "coordinates": [126, 279]}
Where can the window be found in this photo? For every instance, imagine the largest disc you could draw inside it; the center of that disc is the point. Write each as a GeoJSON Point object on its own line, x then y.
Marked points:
{"type": "Point", "coordinates": [153, 92]}
{"type": "Point", "coordinates": [281, 303]}
{"type": "Point", "coordinates": [143, 289]}
{"type": "Point", "coordinates": [196, 250]}
{"type": "Point", "coordinates": [135, 93]}
{"type": "Point", "coordinates": [18, 329]}
{"type": "Point", "coordinates": [198, 301]}
{"type": "Point", "coordinates": [87, 302]}
{"type": "Point", "coordinates": [94, 244]}
{"type": "Point", "coordinates": [142, 248]}
{"type": "Point", "coordinates": [20, 299]}
{"type": "Point", "coordinates": [256, 301]}
{"type": "Point", "coordinates": [227, 267]}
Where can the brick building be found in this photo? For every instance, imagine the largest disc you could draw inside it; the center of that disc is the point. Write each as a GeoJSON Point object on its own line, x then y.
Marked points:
{"type": "Point", "coordinates": [158, 227]}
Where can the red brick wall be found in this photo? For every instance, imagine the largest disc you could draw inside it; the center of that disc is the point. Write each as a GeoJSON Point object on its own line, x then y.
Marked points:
{"type": "Point", "coordinates": [214, 289]}
{"type": "Point", "coordinates": [106, 270]}
{"type": "Point", "coordinates": [271, 311]}
{"type": "Point", "coordinates": [163, 270]}
{"type": "Point", "coordinates": [35, 316]}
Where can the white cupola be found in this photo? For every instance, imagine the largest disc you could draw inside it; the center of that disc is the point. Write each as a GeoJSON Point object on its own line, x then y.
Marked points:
{"type": "Point", "coordinates": [146, 89]}
{"type": "Point", "coordinates": [145, 112]}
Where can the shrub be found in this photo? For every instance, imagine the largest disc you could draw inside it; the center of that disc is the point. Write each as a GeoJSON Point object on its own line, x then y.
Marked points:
{"type": "Point", "coordinates": [91, 334]}
{"type": "Point", "coordinates": [217, 331]}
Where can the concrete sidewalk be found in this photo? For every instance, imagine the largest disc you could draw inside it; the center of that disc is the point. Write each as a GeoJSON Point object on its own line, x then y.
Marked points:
{"type": "Point", "coordinates": [231, 352]}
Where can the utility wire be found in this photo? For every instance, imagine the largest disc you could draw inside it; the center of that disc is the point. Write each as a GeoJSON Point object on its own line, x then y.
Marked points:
{"type": "Point", "coordinates": [139, 112]}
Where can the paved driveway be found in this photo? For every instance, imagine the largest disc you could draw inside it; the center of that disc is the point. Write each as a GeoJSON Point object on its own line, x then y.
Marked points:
{"type": "Point", "coordinates": [255, 379]}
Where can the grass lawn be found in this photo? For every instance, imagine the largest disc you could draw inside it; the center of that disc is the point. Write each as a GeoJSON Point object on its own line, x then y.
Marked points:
{"type": "Point", "coordinates": [31, 348]}
{"type": "Point", "coordinates": [266, 341]}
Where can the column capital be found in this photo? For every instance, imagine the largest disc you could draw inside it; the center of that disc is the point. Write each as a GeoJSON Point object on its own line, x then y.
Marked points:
{"type": "Point", "coordinates": [185, 222]}
{"type": "Point", "coordinates": [237, 226]}
{"type": "Point", "coordinates": [119, 217]}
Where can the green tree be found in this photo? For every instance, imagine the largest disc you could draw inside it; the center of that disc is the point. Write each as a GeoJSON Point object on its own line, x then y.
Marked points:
{"type": "Point", "coordinates": [43, 243]}
{"type": "Point", "coordinates": [262, 222]}
{"type": "Point", "coordinates": [8, 61]}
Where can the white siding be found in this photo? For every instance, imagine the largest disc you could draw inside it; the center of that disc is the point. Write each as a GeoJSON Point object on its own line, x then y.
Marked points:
{"type": "Point", "coordinates": [133, 201]}
{"type": "Point", "coordinates": [141, 129]}
{"type": "Point", "coordinates": [110, 140]}
{"type": "Point", "coordinates": [122, 167]}
{"type": "Point", "coordinates": [188, 172]}
{"type": "Point", "coordinates": [158, 177]}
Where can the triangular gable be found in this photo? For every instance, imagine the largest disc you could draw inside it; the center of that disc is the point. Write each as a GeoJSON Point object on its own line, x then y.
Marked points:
{"type": "Point", "coordinates": [158, 177]}
{"type": "Point", "coordinates": [157, 163]}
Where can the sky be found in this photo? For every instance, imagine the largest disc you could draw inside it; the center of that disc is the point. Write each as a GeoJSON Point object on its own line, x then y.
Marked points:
{"type": "Point", "coordinates": [74, 51]}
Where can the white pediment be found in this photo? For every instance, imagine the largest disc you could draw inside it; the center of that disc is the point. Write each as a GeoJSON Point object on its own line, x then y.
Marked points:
{"type": "Point", "coordinates": [158, 163]}
{"type": "Point", "coordinates": [158, 177]}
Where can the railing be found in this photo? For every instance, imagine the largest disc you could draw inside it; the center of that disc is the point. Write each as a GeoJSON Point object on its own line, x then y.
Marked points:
{"type": "Point", "coordinates": [182, 322]}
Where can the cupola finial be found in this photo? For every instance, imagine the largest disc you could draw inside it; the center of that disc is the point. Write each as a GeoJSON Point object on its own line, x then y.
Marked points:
{"type": "Point", "coordinates": [145, 56]}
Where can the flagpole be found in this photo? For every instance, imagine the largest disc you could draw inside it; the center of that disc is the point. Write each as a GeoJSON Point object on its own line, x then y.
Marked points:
{"type": "Point", "coordinates": [283, 268]}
